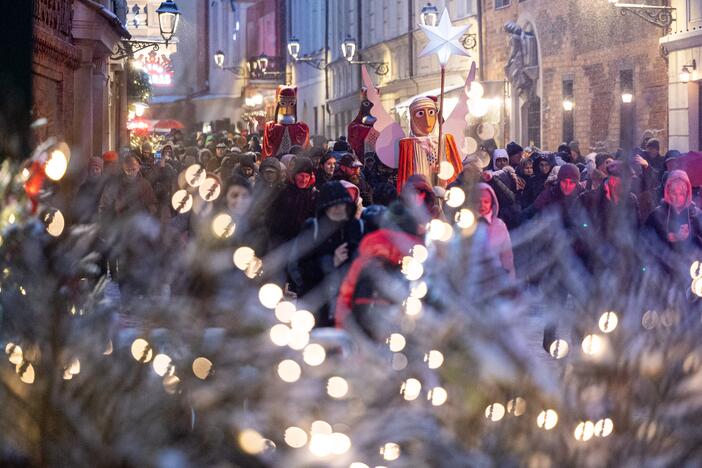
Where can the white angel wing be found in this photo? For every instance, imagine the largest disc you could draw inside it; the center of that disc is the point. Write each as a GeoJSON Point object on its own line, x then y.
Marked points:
{"type": "Point", "coordinates": [456, 122]}
{"type": "Point", "coordinates": [390, 132]}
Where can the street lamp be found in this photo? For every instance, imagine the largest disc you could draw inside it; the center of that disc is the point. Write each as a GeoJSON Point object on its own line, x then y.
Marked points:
{"type": "Point", "coordinates": [294, 51]}
{"type": "Point", "coordinates": [429, 15]}
{"type": "Point", "coordinates": [219, 61]}
{"type": "Point", "coordinates": [168, 19]}
{"type": "Point", "coordinates": [294, 47]}
{"type": "Point", "coordinates": [627, 86]}
{"type": "Point", "coordinates": [348, 51]}
{"type": "Point", "coordinates": [568, 104]}
{"type": "Point", "coordinates": [348, 48]}
{"type": "Point", "coordinates": [262, 62]}
{"type": "Point", "coordinates": [685, 73]}
{"type": "Point", "coordinates": [219, 58]}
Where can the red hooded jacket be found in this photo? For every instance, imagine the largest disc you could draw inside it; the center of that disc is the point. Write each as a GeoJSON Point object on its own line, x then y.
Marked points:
{"type": "Point", "coordinates": [385, 246]}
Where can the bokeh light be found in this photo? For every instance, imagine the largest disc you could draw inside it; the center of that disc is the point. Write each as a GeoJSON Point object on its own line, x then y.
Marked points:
{"type": "Point", "coordinates": [314, 355]}
{"type": "Point", "coordinates": [337, 387]}
{"type": "Point", "coordinates": [495, 412]}
{"type": "Point", "coordinates": [396, 342]}
{"type": "Point", "coordinates": [295, 437]}
{"type": "Point", "coordinates": [547, 419]}
{"type": "Point", "coordinates": [202, 368]}
{"type": "Point", "coordinates": [289, 371]}
{"type": "Point", "coordinates": [608, 322]}
{"type": "Point", "coordinates": [269, 295]}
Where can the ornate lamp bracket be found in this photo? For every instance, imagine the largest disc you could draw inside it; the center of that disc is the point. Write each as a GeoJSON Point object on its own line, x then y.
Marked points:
{"type": "Point", "coordinates": [658, 15]}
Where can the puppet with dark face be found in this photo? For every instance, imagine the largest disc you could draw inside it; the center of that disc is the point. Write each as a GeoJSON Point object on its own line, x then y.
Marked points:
{"type": "Point", "coordinates": [361, 134]}
{"type": "Point", "coordinates": [284, 132]}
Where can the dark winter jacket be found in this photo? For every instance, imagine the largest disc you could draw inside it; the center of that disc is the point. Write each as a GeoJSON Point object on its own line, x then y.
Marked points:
{"type": "Point", "coordinates": [87, 200]}
{"type": "Point", "coordinates": [315, 277]}
{"type": "Point", "coordinates": [374, 281]}
{"type": "Point", "coordinates": [360, 182]}
{"type": "Point", "coordinates": [289, 211]}
{"type": "Point", "coordinates": [125, 196]}
{"type": "Point", "coordinates": [553, 199]}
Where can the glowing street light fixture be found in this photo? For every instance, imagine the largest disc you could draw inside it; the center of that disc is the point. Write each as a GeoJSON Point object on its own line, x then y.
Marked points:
{"type": "Point", "coordinates": [685, 73]}
{"type": "Point", "coordinates": [348, 48]}
{"type": "Point", "coordinates": [294, 48]}
{"type": "Point", "coordinates": [262, 62]}
{"type": "Point", "coordinates": [168, 18]}
{"type": "Point", "coordinates": [219, 58]}
{"type": "Point", "coordinates": [429, 15]}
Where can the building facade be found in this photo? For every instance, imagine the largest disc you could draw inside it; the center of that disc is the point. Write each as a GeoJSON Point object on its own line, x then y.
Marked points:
{"type": "Point", "coordinates": [577, 70]}
{"type": "Point", "coordinates": [204, 95]}
{"type": "Point", "coordinates": [683, 44]}
{"type": "Point", "coordinates": [386, 31]}
{"type": "Point", "coordinates": [76, 86]}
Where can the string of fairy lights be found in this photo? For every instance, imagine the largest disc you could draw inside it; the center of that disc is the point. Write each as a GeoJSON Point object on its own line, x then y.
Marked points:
{"type": "Point", "coordinates": [294, 326]}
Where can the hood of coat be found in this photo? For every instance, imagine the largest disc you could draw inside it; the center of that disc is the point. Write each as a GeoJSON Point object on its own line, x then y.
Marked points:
{"type": "Point", "coordinates": [499, 153]}
{"type": "Point", "coordinates": [495, 204]}
{"type": "Point", "coordinates": [389, 245]}
{"type": "Point", "coordinates": [677, 176]}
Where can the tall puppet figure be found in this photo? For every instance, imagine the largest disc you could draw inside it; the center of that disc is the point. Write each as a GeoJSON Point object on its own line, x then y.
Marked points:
{"type": "Point", "coordinates": [420, 152]}
{"type": "Point", "coordinates": [284, 131]}
{"type": "Point", "coordinates": [361, 134]}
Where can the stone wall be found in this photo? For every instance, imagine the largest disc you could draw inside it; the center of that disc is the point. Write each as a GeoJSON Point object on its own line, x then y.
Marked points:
{"type": "Point", "coordinates": [589, 42]}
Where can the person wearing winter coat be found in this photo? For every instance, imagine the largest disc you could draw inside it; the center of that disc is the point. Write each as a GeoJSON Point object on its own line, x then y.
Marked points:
{"type": "Point", "coordinates": [325, 171]}
{"type": "Point", "coordinates": [324, 249]}
{"type": "Point", "coordinates": [562, 196]}
{"type": "Point", "coordinates": [525, 173]}
{"type": "Point", "coordinates": [349, 169]}
{"type": "Point", "coordinates": [497, 237]}
{"type": "Point", "coordinates": [374, 286]}
{"type": "Point", "coordinates": [87, 200]}
{"type": "Point", "coordinates": [294, 204]}
{"type": "Point", "coordinates": [127, 194]}
{"type": "Point", "coordinates": [610, 219]}
{"type": "Point", "coordinates": [677, 221]}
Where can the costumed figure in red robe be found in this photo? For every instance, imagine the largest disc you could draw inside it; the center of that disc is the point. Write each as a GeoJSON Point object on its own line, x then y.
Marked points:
{"type": "Point", "coordinates": [419, 152]}
{"type": "Point", "coordinates": [284, 131]}
{"type": "Point", "coordinates": [360, 131]}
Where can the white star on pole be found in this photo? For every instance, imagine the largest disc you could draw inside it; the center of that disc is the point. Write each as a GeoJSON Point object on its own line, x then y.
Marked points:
{"type": "Point", "coordinates": [443, 39]}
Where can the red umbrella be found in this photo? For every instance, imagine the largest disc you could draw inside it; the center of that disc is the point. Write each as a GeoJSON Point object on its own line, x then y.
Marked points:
{"type": "Point", "coordinates": [168, 123]}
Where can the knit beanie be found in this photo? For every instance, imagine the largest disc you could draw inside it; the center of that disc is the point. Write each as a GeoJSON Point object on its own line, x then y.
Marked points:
{"type": "Point", "coordinates": [332, 193]}
{"type": "Point", "coordinates": [95, 162]}
{"type": "Point", "coordinates": [302, 164]}
{"type": "Point", "coordinates": [342, 145]}
{"type": "Point", "coordinates": [513, 148]}
{"type": "Point", "coordinates": [110, 156]}
{"type": "Point", "coordinates": [569, 171]}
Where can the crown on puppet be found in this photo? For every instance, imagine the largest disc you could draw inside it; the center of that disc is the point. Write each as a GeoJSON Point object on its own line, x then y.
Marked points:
{"type": "Point", "coordinates": [285, 91]}
{"type": "Point", "coordinates": [423, 102]}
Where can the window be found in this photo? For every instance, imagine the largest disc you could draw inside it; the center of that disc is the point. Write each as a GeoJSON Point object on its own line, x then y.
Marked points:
{"type": "Point", "coordinates": [316, 120]}
{"type": "Point", "coordinates": [694, 13]}
{"type": "Point", "coordinates": [568, 104]}
{"type": "Point", "coordinates": [502, 3]}
{"type": "Point", "coordinates": [534, 121]}
{"type": "Point", "coordinates": [626, 110]}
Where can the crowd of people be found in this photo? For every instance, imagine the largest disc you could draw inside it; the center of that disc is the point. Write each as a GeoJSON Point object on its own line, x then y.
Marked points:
{"type": "Point", "coordinates": [332, 228]}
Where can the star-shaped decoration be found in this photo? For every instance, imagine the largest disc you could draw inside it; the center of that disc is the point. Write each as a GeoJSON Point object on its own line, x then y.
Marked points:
{"type": "Point", "coordinates": [444, 39]}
